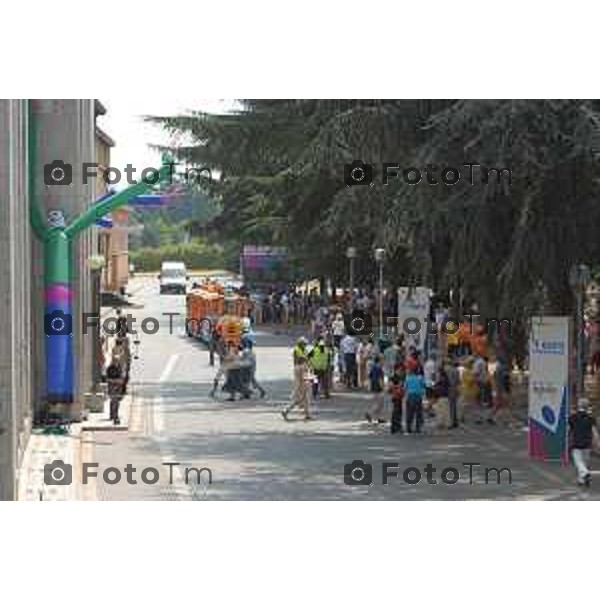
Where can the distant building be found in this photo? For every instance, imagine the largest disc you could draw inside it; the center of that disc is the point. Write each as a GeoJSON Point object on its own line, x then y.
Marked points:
{"type": "Point", "coordinates": [112, 241]}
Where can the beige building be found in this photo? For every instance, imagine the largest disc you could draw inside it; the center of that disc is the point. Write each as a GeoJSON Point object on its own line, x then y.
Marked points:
{"type": "Point", "coordinates": [113, 242]}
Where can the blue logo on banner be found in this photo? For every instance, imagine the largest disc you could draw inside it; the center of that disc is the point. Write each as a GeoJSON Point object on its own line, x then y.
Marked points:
{"type": "Point", "coordinates": [548, 414]}
{"type": "Point", "coordinates": [556, 347]}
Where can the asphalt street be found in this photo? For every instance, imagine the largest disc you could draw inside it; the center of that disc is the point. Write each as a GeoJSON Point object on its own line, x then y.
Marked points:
{"type": "Point", "coordinates": [253, 454]}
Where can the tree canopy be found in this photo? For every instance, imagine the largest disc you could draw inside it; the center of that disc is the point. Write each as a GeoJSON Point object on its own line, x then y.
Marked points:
{"type": "Point", "coordinates": [508, 246]}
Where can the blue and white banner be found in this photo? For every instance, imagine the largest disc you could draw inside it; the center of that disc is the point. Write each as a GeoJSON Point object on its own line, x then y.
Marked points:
{"type": "Point", "coordinates": [549, 362]}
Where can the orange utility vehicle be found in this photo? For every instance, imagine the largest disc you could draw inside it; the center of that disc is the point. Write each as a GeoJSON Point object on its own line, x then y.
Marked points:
{"type": "Point", "coordinates": [208, 306]}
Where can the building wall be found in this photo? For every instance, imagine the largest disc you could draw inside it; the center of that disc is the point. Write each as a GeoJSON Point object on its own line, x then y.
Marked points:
{"type": "Point", "coordinates": [66, 132]}
{"type": "Point", "coordinates": [120, 249]}
{"type": "Point", "coordinates": [16, 351]}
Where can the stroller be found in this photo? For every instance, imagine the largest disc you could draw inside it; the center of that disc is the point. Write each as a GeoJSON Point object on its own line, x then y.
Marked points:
{"type": "Point", "coordinates": [238, 376]}
{"type": "Point", "coordinates": [238, 380]}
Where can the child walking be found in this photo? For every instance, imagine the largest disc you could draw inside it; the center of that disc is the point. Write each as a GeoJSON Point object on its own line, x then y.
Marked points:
{"type": "Point", "coordinates": [396, 391]}
{"type": "Point", "coordinates": [376, 377]}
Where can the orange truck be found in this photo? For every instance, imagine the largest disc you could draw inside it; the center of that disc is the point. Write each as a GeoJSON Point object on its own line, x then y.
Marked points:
{"type": "Point", "coordinates": [209, 306]}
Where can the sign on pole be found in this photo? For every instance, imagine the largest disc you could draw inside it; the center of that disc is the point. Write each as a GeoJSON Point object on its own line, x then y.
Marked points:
{"type": "Point", "coordinates": [413, 307]}
{"type": "Point", "coordinates": [549, 388]}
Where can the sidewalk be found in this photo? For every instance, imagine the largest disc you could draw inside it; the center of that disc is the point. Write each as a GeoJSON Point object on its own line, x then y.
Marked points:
{"type": "Point", "coordinates": [73, 449]}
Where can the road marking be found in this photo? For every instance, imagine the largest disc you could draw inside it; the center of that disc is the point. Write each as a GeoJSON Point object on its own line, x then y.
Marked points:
{"type": "Point", "coordinates": [178, 487]}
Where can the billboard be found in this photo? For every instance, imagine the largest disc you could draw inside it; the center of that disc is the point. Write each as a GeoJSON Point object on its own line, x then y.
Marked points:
{"type": "Point", "coordinates": [264, 264]}
{"type": "Point", "coordinates": [549, 388]}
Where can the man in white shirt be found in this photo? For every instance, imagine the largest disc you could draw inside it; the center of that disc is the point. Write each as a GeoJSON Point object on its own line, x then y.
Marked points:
{"type": "Point", "coordinates": [348, 348]}
{"type": "Point", "coordinates": [338, 329]}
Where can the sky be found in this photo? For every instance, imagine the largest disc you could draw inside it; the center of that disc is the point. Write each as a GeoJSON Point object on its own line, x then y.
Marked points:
{"type": "Point", "coordinates": [124, 123]}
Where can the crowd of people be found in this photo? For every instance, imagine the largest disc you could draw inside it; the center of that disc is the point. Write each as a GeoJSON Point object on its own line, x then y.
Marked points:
{"type": "Point", "coordinates": [292, 306]}
{"type": "Point", "coordinates": [415, 389]}
{"type": "Point", "coordinates": [406, 386]}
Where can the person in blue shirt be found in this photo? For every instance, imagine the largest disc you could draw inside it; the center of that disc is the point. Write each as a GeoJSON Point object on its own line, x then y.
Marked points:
{"type": "Point", "coordinates": [414, 385]}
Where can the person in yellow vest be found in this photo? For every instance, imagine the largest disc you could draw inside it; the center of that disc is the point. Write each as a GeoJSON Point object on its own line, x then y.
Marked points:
{"type": "Point", "coordinates": [300, 350]}
{"type": "Point", "coordinates": [319, 359]}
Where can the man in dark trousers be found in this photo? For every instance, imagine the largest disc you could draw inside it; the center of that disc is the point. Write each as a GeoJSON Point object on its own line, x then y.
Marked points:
{"type": "Point", "coordinates": [116, 388]}
{"type": "Point", "coordinates": [584, 435]}
{"type": "Point", "coordinates": [396, 390]}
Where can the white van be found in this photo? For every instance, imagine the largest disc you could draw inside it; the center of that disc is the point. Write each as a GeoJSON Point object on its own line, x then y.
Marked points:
{"type": "Point", "coordinates": [173, 278]}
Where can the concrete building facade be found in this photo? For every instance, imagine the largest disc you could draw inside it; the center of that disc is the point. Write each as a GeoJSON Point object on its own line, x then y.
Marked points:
{"type": "Point", "coordinates": [65, 131]}
{"type": "Point", "coordinates": [16, 339]}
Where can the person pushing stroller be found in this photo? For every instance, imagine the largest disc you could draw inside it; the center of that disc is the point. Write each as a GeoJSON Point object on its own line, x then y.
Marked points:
{"type": "Point", "coordinates": [238, 369]}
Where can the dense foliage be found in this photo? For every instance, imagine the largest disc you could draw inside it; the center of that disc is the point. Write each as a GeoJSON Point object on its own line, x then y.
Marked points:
{"type": "Point", "coordinates": [195, 255]}
{"type": "Point", "coordinates": [509, 247]}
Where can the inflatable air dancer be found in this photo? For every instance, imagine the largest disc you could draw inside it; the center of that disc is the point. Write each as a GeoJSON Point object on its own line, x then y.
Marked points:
{"type": "Point", "coordinates": [57, 238]}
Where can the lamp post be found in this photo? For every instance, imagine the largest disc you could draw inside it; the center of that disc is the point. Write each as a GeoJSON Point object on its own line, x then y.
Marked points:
{"type": "Point", "coordinates": [351, 255]}
{"type": "Point", "coordinates": [96, 263]}
{"type": "Point", "coordinates": [579, 277]}
{"type": "Point", "coordinates": [379, 258]}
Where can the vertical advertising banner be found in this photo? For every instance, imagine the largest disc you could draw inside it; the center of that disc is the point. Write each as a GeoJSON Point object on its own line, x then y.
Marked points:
{"type": "Point", "coordinates": [549, 388]}
{"type": "Point", "coordinates": [413, 303]}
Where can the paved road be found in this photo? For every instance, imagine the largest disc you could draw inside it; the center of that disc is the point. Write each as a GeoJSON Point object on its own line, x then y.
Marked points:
{"type": "Point", "coordinates": [254, 454]}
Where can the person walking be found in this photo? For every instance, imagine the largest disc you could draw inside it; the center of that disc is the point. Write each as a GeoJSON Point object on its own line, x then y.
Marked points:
{"type": "Point", "coordinates": [249, 356]}
{"type": "Point", "coordinates": [391, 356]}
{"type": "Point", "coordinates": [300, 388]}
{"type": "Point", "coordinates": [338, 328]}
{"type": "Point", "coordinates": [583, 433]}
{"type": "Point", "coordinates": [376, 405]}
{"type": "Point", "coordinates": [362, 354]}
{"type": "Point", "coordinates": [396, 391]}
{"type": "Point", "coordinates": [227, 363]}
{"type": "Point", "coordinates": [441, 393]}
{"type": "Point", "coordinates": [469, 392]}
{"type": "Point", "coordinates": [479, 376]}
{"type": "Point", "coordinates": [349, 347]}
{"type": "Point", "coordinates": [213, 345]}
{"type": "Point", "coordinates": [115, 388]}
{"type": "Point", "coordinates": [330, 351]}
{"type": "Point", "coordinates": [318, 360]}
{"type": "Point", "coordinates": [415, 390]}
{"type": "Point", "coordinates": [453, 340]}
{"type": "Point", "coordinates": [503, 404]}
{"type": "Point", "coordinates": [429, 377]}
{"type": "Point", "coordinates": [121, 352]}
{"type": "Point", "coordinates": [122, 325]}
{"type": "Point", "coordinates": [453, 375]}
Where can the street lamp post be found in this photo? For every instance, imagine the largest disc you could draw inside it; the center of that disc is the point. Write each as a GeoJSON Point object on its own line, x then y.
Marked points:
{"type": "Point", "coordinates": [379, 258]}
{"type": "Point", "coordinates": [579, 278]}
{"type": "Point", "coordinates": [351, 255]}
